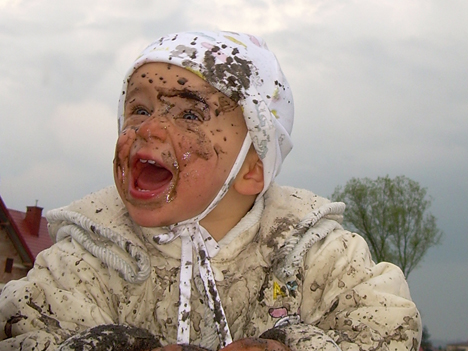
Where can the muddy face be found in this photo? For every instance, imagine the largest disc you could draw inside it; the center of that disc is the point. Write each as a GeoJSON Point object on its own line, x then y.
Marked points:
{"type": "Point", "coordinates": [179, 140]}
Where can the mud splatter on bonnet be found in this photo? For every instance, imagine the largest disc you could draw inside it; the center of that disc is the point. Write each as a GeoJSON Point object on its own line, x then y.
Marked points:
{"type": "Point", "coordinates": [241, 67]}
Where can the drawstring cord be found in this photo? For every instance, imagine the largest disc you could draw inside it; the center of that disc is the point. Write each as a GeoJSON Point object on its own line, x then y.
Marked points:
{"type": "Point", "coordinates": [81, 228]}
{"type": "Point", "coordinates": [305, 234]}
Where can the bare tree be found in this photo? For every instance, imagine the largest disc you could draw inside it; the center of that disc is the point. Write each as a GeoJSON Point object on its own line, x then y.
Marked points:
{"type": "Point", "coordinates": [392, 215]}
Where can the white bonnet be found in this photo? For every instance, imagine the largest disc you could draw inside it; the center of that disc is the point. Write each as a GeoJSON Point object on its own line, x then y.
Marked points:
{"type": "Point", "coordinates": [240, 66]}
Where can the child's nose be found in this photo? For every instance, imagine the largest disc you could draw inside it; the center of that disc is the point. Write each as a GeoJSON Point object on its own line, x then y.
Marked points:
{"type": "Point", "coordinates": [154, 128]}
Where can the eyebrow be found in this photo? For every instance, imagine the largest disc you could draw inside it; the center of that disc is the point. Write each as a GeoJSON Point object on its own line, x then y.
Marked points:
{"type": "Point", "coordinates": [130, 94]}
{"type": "Point", "coordinates": [186, 94]}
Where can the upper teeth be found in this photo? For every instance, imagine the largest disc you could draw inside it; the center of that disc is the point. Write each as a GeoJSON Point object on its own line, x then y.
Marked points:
{"type": "Point", "coordinates": [149, 161]}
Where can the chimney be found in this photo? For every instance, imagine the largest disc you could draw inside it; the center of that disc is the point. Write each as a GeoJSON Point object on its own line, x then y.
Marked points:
{"type": "Point", "coordinates": [33, 219]}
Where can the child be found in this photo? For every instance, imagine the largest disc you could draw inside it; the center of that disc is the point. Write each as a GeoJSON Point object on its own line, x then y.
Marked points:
{"type": "Point", "coordinates": [196, 245]}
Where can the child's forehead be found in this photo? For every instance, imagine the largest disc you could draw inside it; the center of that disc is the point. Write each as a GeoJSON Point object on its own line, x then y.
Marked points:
{"type": "Point", "coordinates": [173, 81]}
{"type": "Point", "coordinates": [165, 72]}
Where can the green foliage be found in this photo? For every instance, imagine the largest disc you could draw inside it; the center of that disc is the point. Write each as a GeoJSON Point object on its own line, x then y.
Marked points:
{"type": "Point", "coordinates": [426, 343]}
{"type": "Point", "coordinates": [391, 214]}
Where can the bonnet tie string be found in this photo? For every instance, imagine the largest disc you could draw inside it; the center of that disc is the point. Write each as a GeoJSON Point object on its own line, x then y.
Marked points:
{"type": "Point", "coordinates": [196, 241]}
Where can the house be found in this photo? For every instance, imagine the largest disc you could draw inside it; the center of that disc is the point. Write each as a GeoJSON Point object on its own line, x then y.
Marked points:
{"type": "Point", "coordinates": [22, 236]}
{"type": "Point", "coordinates": [463, 346]}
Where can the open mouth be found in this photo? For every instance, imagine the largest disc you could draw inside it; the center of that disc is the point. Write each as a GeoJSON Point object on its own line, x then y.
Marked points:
{"type": "Point", "coordinates": [149, 178]}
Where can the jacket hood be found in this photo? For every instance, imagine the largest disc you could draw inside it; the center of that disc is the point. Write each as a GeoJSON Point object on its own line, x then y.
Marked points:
{"type": "Point", "coordinates": [271, 220]}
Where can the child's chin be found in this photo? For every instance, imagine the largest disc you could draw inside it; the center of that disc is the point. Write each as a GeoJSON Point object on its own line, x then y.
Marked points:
{"type": "Point", "coordinates": [147, 221]}
{"type": "Point", "coordinates": [145, 216]}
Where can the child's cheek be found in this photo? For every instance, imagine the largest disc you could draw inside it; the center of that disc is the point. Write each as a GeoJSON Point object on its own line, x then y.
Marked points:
{"type": "Point", "coordinates": [122, 153]}
{"type": "Point", "coordinates": [196, 157]}
{"type": "Point", "coordinates": [124, 143]}
{"type": "Point", "coordinates": [194, 145]}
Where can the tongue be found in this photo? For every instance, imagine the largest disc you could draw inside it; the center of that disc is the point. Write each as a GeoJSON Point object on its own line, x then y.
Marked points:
{"type": "Point", "coordinates": [153, 177]}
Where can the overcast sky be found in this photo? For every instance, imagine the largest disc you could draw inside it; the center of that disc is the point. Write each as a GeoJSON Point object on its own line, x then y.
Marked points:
{"type": "Point", "coordinates": [381, 87]}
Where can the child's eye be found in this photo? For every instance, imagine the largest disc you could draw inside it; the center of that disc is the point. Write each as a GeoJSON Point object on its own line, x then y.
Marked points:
{"type": "Point", "coordinates": [141, 111]}
{"type": "Point", "coordinates": [191, 116]}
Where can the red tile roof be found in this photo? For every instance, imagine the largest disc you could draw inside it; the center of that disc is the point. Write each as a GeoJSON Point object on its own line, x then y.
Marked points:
{"type": "Point", "coordinates": [35, 243]}
{"type": "Point", "coordinates": [31, 243]}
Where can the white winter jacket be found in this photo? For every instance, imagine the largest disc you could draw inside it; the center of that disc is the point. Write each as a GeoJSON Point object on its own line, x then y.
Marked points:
{"type": "Point", "coordinates": [288, 271]}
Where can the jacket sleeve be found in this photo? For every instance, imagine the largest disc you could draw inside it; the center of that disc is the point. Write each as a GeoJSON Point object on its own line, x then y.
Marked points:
{"type": "Point", "coordinates": [350, 303]}
{"type": "Point", "coordinates": [358, 304]}
{"type": "Point", "coordinates": [62, 295]}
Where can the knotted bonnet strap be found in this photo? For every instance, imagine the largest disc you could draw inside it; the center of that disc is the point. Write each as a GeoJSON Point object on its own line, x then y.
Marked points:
{"type": "Point", "coordinates": [240, 66]}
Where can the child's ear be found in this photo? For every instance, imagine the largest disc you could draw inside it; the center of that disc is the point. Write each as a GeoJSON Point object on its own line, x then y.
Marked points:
{"type": "Point", "coordinates": [250, 180]}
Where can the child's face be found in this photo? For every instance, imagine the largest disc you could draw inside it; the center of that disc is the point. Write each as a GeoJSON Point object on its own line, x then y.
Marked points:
{"type": "Point", "coordinates": [179, 140]}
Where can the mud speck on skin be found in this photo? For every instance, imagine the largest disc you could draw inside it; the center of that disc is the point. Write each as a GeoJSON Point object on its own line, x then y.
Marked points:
{"type": "Point", "coordinates": [182, 81]}
{"type": "Point", "coordinates": [219, 150]}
